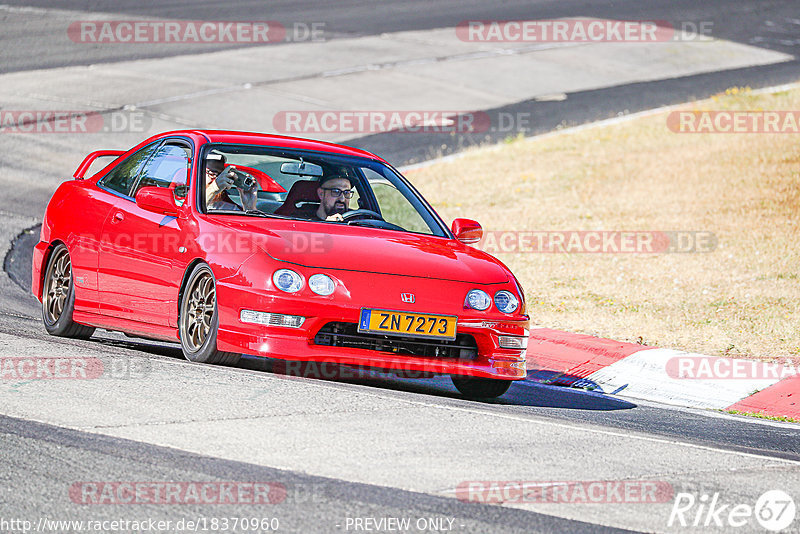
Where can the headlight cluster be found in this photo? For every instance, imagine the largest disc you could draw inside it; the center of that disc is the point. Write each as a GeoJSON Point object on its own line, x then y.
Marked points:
{"type": "Point", "coordinates": [478, 300]}
{"type": "Point", "coordinates": [287, 280]}
{"type": "Point", "coordinates": [291, 282]}
{"type": "Point", "coordinates": [321, 284]}
{"type": "Point", "coordinates": [505, 301]}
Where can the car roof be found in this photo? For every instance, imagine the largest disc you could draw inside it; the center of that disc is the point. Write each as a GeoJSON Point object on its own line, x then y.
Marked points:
{"type": "Point", "coordinates": [280, 141]}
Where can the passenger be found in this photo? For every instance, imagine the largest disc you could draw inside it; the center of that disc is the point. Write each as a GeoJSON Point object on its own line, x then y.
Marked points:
{"type": "Point", "coordinates": [217, 186]}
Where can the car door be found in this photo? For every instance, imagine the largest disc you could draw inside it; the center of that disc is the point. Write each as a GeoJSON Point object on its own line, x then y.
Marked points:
{"type": "Point", "coordinates": [136, 278]}
{"type": "Point", "coordinates": [87, 223]}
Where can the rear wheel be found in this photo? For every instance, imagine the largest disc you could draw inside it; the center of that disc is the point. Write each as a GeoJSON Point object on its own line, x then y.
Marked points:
{"type": "Point", "coordinates": [199, 320]}
{"type": "Point", "coordinates": [58, 298]}
{"type": "Point", "coordinates": [480, 388]}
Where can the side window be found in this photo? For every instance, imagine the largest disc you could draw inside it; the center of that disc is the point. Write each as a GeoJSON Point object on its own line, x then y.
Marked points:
{"type": "Point", "coordinates": [121, 177]}
{"type": "Point", "coordinates": [394, 206]}
{"type": "Point", "coordinates": [169, 167]}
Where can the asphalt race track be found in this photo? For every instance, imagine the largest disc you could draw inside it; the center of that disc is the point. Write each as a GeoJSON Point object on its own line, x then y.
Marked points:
{"type": "Point", "coordinates": [350, 454]}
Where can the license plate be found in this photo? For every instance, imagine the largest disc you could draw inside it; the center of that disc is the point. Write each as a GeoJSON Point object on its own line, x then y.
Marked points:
{"type": "Point", "coordinates": [407, 324]}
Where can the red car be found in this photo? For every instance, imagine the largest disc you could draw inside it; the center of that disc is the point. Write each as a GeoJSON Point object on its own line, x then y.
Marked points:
{"type": "Point", "coordinates": [286, 248]}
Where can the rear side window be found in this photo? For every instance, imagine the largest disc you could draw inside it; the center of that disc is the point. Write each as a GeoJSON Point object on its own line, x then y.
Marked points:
{"type": "Point", "coordinates": [121, 177]}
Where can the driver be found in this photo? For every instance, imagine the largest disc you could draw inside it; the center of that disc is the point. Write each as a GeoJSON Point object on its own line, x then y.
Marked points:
{"type": "Point", "coordinates": [334, 194]}
{"type": "Point", "coordinates": [217, 186]}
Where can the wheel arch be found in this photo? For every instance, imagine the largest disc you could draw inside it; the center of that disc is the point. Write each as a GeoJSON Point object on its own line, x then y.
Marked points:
{"type": "Point", "coordinates": [189, 268]}
{"type": "Point", "coordinates": [43, 266]}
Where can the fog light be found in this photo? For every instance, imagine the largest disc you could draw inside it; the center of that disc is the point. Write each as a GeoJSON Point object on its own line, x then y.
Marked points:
{"type": "Point", "coordinates": [510, 369]}
{"type": "Point", "coordinates": [271, 319]}
{"type": "Point", "coordinates": [513, 342]}
{"type": "Point", "coordinates": [509, 365]}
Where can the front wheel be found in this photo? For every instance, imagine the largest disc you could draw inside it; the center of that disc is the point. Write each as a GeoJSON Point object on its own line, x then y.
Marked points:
{"type": "Point", "coordinates": [480, 388]}
{"type": "Point", "coordinates": [199, 320]}
{"type": "Point", "coordinates": [58, 298]}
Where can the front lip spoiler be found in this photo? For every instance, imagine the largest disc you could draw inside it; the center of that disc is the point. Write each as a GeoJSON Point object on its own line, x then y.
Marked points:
{"type": "Point", "coordinates": [282, 346]}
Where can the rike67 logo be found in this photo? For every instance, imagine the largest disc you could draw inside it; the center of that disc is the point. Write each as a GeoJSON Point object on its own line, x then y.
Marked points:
{"type": "Point", "coordinates": [774, 510]}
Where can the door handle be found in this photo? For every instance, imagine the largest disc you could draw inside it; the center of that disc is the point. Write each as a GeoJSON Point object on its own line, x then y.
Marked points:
{"type": "Point", "coordinates": [118, 217]}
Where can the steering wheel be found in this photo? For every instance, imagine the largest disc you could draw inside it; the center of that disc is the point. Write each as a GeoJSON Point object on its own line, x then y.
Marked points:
{"type": "Point", "coordinates": [362, 217]}
{"type": "Point", "coordinates": [361, 214]}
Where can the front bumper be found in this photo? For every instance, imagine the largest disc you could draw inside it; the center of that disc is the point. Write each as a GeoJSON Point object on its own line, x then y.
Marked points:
{"type": "Point", "coordinates": [488, 360]}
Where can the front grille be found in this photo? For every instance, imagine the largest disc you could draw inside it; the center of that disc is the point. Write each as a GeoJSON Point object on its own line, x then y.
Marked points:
{"type": "Point", "coordinates": [347, 335]}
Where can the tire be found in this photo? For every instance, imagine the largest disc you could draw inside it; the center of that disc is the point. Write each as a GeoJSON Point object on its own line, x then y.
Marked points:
{"type": "Point", "coordinates": [199, 320]}
{"type": "Point", "coordinates": [480, 388]}
{"type": "Point", "coordinates": [58, 298]}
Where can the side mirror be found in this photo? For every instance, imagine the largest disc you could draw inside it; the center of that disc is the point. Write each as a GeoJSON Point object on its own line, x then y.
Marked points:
{"type": "Point", "coordinates": [158, 200]}
{"type": "Point", "coordinates": [467, 231]}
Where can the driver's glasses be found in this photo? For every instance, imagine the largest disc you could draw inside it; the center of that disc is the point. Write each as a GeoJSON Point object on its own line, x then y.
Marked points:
{"type": "Point", "coordinates": [336, 192]}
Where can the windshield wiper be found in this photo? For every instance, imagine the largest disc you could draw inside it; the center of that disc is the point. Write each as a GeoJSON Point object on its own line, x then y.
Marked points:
{"type": "Point", "coordinates": [377, 223]}
{"type": "Point", "coordinates": [257, 212]}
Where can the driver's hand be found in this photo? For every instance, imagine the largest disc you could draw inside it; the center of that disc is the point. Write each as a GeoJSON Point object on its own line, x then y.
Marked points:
{"type": "Point", "coordinates": [335, 217]}
{"type": "Point", "coordinates": [224, 181]}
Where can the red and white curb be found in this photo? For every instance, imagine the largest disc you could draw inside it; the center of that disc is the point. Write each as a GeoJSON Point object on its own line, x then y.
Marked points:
{"type": "Point", "coordinates": [663, 375]}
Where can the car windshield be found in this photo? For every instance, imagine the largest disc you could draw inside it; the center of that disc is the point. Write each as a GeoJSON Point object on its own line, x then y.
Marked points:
{"type": "Point", "coordinates": [276, 182]}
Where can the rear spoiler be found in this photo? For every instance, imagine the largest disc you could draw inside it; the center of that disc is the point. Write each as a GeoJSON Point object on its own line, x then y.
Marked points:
{"type": "Point", "coordinates": [88, 160]}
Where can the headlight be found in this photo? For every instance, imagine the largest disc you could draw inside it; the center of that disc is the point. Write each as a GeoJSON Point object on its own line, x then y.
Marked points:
{"type": "Point", "coordinates": [287, 280]}
{"type": "Point", "coordinates": [506, 302]}
{"type": "Point", "coordinates": [321, 284]}
{"type": "Point", "coordinates": [478, 300]}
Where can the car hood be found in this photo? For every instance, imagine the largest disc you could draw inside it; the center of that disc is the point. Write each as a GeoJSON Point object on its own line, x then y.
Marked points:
{"type": "Point", "coordinates": [370, 250]}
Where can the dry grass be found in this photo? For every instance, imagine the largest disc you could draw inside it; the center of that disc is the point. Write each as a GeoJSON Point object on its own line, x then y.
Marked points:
{"type": "Point", "coordinates": [741, 300]}
{"type": "Point", "coordinates": [762, 415]}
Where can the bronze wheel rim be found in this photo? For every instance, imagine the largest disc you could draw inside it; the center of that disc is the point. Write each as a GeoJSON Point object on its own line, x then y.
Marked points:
{"type": "Point", "coordinates": [198, 312]}
{"type": "Point", "coordinates": [59, 281]}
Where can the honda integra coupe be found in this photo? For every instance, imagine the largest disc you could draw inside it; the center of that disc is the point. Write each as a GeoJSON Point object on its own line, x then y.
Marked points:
{"type": "Point", "coordinates": [236, 243]}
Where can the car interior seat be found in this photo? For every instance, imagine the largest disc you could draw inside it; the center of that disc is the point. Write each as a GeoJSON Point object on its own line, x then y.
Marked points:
{"type": "Point", "coordinates": [301, 192]}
